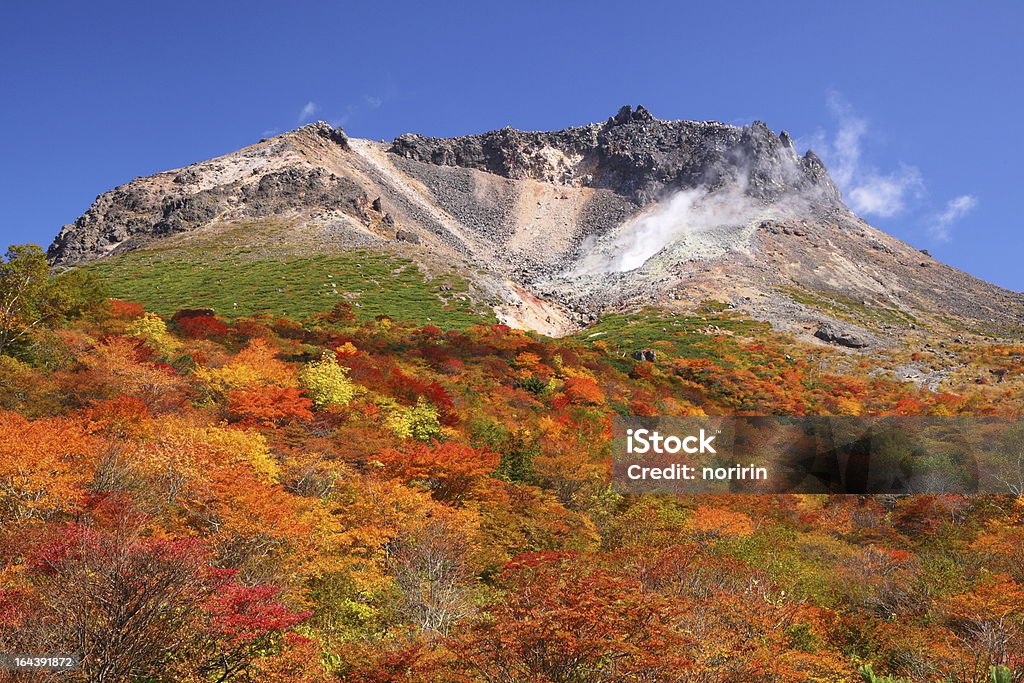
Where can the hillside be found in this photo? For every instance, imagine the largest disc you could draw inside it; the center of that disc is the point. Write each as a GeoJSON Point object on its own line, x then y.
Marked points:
{"type": "Point", "coordinates": [551, 230]}
{"type": "Point", "coordinates": [362, 500]}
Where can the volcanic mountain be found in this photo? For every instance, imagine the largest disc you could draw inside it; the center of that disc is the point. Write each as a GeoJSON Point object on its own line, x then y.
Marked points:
{"type": "Point", "coordinates": [553, 229]}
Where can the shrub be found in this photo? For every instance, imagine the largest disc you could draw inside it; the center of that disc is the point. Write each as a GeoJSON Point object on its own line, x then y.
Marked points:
{"type": "Point", "coordinates": [419, 422]}
{"type": "Point", "coordinates": [326, 382]}
{"type": "Point", "coordinates": [152, 330]}
{"type": "Point", "coordinates": [125, 310]}
{"type": "Point", "coordinates": [200, 324]}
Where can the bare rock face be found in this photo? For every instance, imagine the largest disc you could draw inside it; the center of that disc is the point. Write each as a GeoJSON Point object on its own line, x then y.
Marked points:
{"type": "Point", "coordinates": [258, 181]}
{"type": "Point", "coordinates": [636, 155]}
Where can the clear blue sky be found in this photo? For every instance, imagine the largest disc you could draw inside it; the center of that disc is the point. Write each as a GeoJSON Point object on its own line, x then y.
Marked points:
{"type": "Point", "coordinates": [919, 105]}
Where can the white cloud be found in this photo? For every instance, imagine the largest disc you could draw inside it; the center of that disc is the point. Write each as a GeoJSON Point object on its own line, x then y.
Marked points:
{"type": "Point", "coordinates": [867, 190]}
{"type": "Point", "coordinates": [956, 208]}
{"type": "Point", "coordinates": [885, 195]}
{"type": "Point", "coordinates": [308, 111]}
{"type": "Point", "coordinates": [366, 103]}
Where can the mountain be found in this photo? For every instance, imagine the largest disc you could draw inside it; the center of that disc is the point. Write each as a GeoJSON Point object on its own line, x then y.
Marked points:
{"type": "Point", "coordinates": [552, 229]}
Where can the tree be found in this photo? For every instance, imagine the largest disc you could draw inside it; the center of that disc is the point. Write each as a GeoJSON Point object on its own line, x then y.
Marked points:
{"type": "Point", "coordinates": [143, 607]}
{"type": "Point", "coordinates": [254, 366]}
{"type": "Point", "coordinates": [583, 391]}
{"type": "Point", "coordinates": [431, 566]}
{"type": "Point", "coordinates": [127, 603]}
{"type": "Point", "coordinates": [152, 329]}
{"type": "Point", "coordinates": [31, 298]}
{"type": "Point", "coordinates": [449, 470]}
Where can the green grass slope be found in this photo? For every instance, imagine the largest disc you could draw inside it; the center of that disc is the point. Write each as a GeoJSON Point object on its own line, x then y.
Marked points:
{"type": "Point", "coordinates": [236, 283]}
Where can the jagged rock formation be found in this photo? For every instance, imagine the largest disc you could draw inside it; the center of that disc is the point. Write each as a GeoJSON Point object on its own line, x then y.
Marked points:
{"type": "Point", "coordinates": [635, 155]}
{"type": "Point", "coordinates": [560, 226]}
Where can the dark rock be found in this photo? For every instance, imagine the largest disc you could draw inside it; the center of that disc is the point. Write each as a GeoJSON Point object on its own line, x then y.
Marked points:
{"type": "Point", "coordinates": [329, 132]}
{"type": "Point", "coordinates": [831, 334]}
{"type": "Point", "coordinates": [297, 186]}
{"type": "Point", "coordinates": [645, 355]}
{"type": "Point", "coordinates": [406, 236]}
{"type": "Point", "coordinates": [637, 156]}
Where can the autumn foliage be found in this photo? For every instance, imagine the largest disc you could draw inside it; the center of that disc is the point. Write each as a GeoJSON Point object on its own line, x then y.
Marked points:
{"type": "Point", "coordinates": [204, 499]}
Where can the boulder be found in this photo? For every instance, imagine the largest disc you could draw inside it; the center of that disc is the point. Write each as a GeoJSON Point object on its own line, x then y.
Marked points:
{"type": "Point", "coordinates": [828, 332]}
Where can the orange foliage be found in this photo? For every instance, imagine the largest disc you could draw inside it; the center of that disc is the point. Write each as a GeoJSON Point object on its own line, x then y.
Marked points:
{"type": "Point", "coordinates": [583, 391]}
{"type": "Point", "coordinates": [269, 406]}
{"type": "Point", "coordinates": [448, 470]}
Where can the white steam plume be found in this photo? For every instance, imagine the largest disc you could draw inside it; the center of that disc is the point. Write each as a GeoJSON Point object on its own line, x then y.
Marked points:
{"type": "Point", "coordinates": [695, 220]}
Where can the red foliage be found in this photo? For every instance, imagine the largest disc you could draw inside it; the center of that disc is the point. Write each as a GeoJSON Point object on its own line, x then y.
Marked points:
{"type": "Point", "coordinates": [125, 310]}
{"type": "Point", "coordinates": [409, 388]}
{"type": "Point", "coordinates": [252, 329]}
{"type": "Point", "coordinates": [203, 327]}
{"type": "Point", "coordinates": [241, 615]}
{"type": "Point", "coordinates": [403, 661]}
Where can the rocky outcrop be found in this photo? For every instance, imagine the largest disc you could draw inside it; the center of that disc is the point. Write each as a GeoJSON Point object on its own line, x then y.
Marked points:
{"type": "Point", "coordinates": [636, 155]}
{"type": "Point", "coordinates": [828, 332]}
{"type": "Point", "coordinates": [265, 179]}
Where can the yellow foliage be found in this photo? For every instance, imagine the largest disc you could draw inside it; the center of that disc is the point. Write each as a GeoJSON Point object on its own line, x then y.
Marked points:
{"type": "Point", "coordinates": [242, 446]}
{"type": "Point", "coordinates": [347, 349]}
{"type": "Point", "coordinates": [254, 366]}
{"type": "Point", "coordinates": [152, 329]}
{"type": "Point", "coordinates": [418, 422]}
{"type": "Point", "coordinates": [326, 382]}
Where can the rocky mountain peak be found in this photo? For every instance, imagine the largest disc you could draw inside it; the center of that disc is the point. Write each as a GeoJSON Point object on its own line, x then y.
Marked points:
{"type": "Point", "coordinates": [324, 130]}
{"type": "Point", "coordinates": [626, 115]}
{"type": "Point", "coordinates": [637, 155]}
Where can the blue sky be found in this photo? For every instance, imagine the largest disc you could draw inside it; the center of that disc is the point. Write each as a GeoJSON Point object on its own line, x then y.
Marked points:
{"type": "Point", "coordinates": [916, 106]}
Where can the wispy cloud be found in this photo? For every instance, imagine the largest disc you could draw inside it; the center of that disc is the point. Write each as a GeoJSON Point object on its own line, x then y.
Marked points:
{"type": "Point", "coordinates": [867, 189]}
{"type": "Point", "coordinates": [308, 111]}
{"type": "Point", "coordinates": [365, 104]}
{"type": "Point", "coordinates": [956, 208]}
